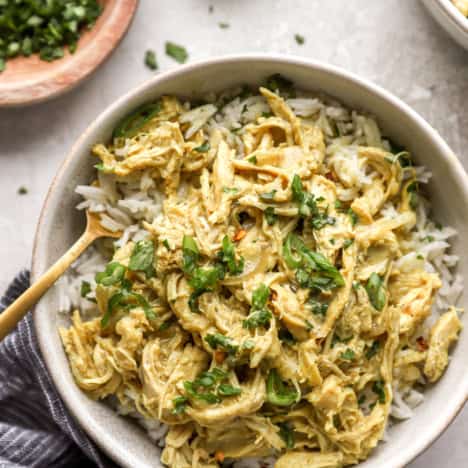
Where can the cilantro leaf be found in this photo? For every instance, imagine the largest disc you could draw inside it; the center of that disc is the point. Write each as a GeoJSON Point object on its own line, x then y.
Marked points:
{"type": "Point", "coordinates": [177, 52]}
{"type": "Point", "coordinates": [142, 258]}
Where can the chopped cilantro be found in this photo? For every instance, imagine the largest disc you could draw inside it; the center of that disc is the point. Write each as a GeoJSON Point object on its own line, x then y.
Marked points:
{"type": "Point", "coordinates": [230, 190]}
{"type": "Point", "coordinates": [313, 270]}
{"type": "Point", "coordinates": [142, 258]}
{"type": "Point", "coordinates": [217, 340]}
{"type": "Point", "coordinates": [228, 390]}
{"type": "Point", "coordinates": [43, 27]}
{"type": "Point", "coordinates": [279, 83]}
{"type": "Point", "coordinates": [286, 432]}
{"type": "Point", "coordinates": [373, 349]}
{"type": "Point", "coordinates": [379, 389]}
{"type": "Point", "coordinates": [210, 388]}
{"type": "Point", "coordinates": [270, 215]}
{"type": "Point", "coordinates": [376, 291]}
{"type": "Point", "coordinates": [299, 39]}
{"type": "Point", "coordinates": [180, 404]}
{"type": "Point", "coordinates": [85, 288]}
{"type": "Point", "coordinates": [348, 355]}
{"type": "Point", "coordinates": [347, 243]}
{"type": "Point", "coordinates": [353, 216]}
{"type": "Point", "coordinates": [113, 274]}
{"type": "Point", "coordinates": [133, 123]}
{"type": "Point", "coordinates": [227, 257]}
{"type": "Point", "coordinates": [252, 160]}
{"type": "Point", "coordinates": [278, 393]}
{"type": "Point", "coordinates": [150, 60]}
{"type": "Point", "coordinates": [204, 148]}
{"type": "Point", "coordinates": [259, 315]}
{"type": "Point", "coordinates": [268, 196]}
{"type": "Point", "coordinates": [286, 336]}
{"type": "Point", "coordinates": [177, 52]}
{"type": "Point", "coordinates": [318, 308]}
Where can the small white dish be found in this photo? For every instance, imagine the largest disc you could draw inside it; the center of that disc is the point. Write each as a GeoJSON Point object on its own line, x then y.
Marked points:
{"type": "Point", "coordinates": [450, 18]}
{"type": "Point", "coordinates": [60, 225]}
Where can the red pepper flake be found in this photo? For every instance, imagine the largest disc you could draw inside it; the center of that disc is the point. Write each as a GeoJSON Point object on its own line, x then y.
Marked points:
{"type": "Point", "coordinates": [219, 456]}
{"type": "Point", "coordinates": [422, 343]}
{"type": "Point", "coordinates": [219, 356]}
{"type": "Point", "coordinates": [240, 234]}
{"type": "Point", "coordinates": [331, 176]}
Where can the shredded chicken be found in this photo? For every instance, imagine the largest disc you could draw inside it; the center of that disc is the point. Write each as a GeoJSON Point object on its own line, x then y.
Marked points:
{"type": "Point", "coordinates": [262, 312]}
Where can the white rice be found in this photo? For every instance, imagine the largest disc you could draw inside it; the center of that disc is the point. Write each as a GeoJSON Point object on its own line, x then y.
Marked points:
{"type": "Point", "coordinates": [142, 201]}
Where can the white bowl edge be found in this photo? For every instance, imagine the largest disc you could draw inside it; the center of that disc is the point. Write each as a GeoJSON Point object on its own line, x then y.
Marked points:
{"type": "Point", "coordinates": [357, 90]}
{"type": "Point", "coordinates": [450, 19]}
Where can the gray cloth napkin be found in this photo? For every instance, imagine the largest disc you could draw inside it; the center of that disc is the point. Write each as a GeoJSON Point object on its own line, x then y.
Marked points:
{"type": "Point", "coordinates": [36, 430]}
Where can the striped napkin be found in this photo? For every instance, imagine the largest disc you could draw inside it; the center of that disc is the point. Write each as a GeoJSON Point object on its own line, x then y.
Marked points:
{"type": "Point", "coordinates": [35, 428]}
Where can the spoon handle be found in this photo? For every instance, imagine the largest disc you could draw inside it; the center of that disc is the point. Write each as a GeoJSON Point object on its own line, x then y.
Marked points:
{"type": "Point", "coordinates": [18, 309]}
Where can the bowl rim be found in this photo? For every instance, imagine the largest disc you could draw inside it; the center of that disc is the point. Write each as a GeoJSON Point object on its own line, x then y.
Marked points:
{"type": "Point", "coordinates": [446, 8]}
{"type": "Point", "coordinates": [455, 14]}
{"type": "Point", "coordinates": [458, 173]}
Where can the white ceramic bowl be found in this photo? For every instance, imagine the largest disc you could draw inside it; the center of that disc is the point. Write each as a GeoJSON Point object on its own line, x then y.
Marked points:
{"type": "Point", "coordinates": [450, 18]}
{"type": "Point", "coordinates": [60, 225]}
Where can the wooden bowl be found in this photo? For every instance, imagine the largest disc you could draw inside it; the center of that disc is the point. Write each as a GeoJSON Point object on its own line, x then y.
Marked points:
{"type": "Point", "coordinates": [28, 80]}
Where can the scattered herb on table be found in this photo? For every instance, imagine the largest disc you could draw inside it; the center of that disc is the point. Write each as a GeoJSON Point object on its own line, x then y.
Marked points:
{"type": "Point", "coordinates": [22, 190]}
{"type": "Point", "coordinates": [299, 39]}
{"type": "Point", "coordinates": [223, 25]}
{"type": "Point", "coordinates": [177, 52]}
{"type": "Point", "coordinates": [150, 60]}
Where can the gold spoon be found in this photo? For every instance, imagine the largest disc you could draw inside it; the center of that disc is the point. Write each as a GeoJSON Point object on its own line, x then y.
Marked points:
{"type": "Point", "coordinates": [17, 310]}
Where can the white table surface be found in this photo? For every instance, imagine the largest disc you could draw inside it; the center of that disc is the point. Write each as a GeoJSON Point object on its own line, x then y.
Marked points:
{"type": "Point", "coordinates": [392, 42]}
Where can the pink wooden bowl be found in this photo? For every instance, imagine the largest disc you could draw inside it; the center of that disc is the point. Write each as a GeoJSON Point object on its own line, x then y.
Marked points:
{"type": "Point", "coordinates": [28, 80]}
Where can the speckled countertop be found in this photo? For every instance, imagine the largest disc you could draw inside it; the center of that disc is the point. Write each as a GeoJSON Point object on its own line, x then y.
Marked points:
{"type": "Point", "coordinates": [395, 43]}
